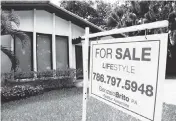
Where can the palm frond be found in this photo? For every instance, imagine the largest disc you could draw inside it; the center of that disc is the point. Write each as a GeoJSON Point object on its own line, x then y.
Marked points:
{"type": "Point", "coordinates": [172, 37]}
{"type": "Point", "coordinates": [14, 18]}
{"type": "Point", "coordinates": [9, 24]}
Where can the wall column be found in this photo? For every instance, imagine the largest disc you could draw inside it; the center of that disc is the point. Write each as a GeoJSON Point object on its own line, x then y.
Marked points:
{"type": "Point", "coordinates": [54, 44]}
{"type": "Point", "coordinates": [12, 45]}
{"type": "Point", "coordinates": [70, 46]}
{"type": "Point", "coordinates": [34, 44]}
{"type": "Point", "coordinates": [12, 40]}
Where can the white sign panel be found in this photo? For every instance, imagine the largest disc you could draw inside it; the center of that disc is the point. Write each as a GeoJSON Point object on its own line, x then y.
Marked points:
{"type": "Point", "coordinates": [128, 73]}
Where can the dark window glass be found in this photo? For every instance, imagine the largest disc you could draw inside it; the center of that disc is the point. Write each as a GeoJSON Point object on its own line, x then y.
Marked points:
{"type": "Point", "coordinates": [24, 54]}
{"type": "Point", "coordinates": [61, 52]}
{"type": "Point", "coordinates": [44, 52]}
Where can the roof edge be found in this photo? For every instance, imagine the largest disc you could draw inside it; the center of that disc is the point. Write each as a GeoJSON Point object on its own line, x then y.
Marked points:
{"type": "Point", "coordinates": [76, 16]}
{"type": "Point", "coordinates": [54, 4]}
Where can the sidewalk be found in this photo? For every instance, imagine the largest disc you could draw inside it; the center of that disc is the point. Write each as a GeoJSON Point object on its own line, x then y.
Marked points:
{"type": "Point", "coordinates": [170, 91]}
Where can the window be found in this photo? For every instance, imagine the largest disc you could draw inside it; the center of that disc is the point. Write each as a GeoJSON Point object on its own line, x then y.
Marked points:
{"type": "Point", "coordinates": [24, 54]}
{"type": "Point", "coordinates": [44, 56]}
{"type": "Point", "coordinates": [61, 52]}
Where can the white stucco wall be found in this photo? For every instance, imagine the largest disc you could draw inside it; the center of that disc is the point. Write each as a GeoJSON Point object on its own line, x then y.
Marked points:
{"type": "Point", "coordinates": [26, 20]}
{"type": "Point", "coordinates": [44, 22]}
{"type": "Point", "coordinates": [61, 26]}
{"type": "Point", "coordinates": [5, 62]}
{"type": "Point", "coordinates": [77, 31]}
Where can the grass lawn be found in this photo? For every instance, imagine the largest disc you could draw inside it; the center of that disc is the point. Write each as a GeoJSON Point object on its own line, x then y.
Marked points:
{"type": "Point", "coordinates": [66, 105]}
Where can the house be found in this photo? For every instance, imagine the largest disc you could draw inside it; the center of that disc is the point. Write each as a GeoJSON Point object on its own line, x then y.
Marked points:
{"type": "Point", "coordinates": [51, 30]}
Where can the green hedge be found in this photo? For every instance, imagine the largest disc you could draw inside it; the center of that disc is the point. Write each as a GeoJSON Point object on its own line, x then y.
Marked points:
{"type": "Point", "coordinates": [11, 76]}
{"type": "Point", "coordinates": [9, 93]}
{"type": "Point", "coordinates": [13, 90]}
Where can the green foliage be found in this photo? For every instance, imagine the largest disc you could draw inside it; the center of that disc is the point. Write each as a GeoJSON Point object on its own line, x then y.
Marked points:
{"type": "Point", "coordinates": [95, 12]}
{"type": "Point", "coordinates": [11, 76]}
{"type": "Point", "coordinates": [80, 8]}
{"type": "Point", "coordinates": [9, 26]}
{"type": "Point", "coordinates": [6, 77]}
{"type": "Point", "coordinates": [116, 15]}
{"type": "Point", "coordinates": [45, 74]}
{"type": "Point", "coordinates": [139, 12]}
{"type": "Point", "coordinates": [24, 75]}
{"type": "Point", "coordinates": [79, 73]}
{"type": "Point", "coordinates": [102, 10]}
{"type": "Point", "coordinates": [12, 90]}
{"type": "Point", "coordinates": [16, 92]}
{"type": "Point", "coordinates": [64, 73]}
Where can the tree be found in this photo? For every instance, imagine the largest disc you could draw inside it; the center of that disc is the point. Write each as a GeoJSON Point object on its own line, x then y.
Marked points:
{"type": "Point", "coordinates": [9, 26]}
{"type": "Point", "coordinates": [103, 10]}
{"type": "Point", "coordinates": [96, 12]}
{"type": "Point", "coordinates": [80, 8]}
{"type": "Point", "coordinates": [140, 12]}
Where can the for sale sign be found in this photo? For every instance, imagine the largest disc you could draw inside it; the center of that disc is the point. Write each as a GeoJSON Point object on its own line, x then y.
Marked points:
{"type": "Point", "coordinates": [128, 74]}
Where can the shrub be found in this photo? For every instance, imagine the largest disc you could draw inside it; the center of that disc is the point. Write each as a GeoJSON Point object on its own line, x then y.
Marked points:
{"type": "Point", "coordinates": [79, 73]}
{"type": "Point", "coordinates": [63, 78]}
{"type": "Point", "coordinates": [22, 88]}
{"type": "Point", "coordinates": [10, 76]}
{"type": "Point", "coordinates": [66, 73]}
{"type": "Point", "coordinates": [52, 84]}
{"type": "Point", "coordinates": [44, 74]}
{"type": "Point", "coordinates": [24, 75]}
{"type": "Point", "coordinates": [6, 77]}
{"type": "Point", "coordinates": [16, 92]}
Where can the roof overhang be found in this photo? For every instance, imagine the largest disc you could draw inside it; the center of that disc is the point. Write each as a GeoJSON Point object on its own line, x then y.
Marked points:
{"type": "Point", "coordinates": [51, 7]}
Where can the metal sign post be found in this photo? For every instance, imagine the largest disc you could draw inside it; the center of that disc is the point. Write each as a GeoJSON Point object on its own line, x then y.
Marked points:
{"type": "Point", "coordinates": [85, 49]}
